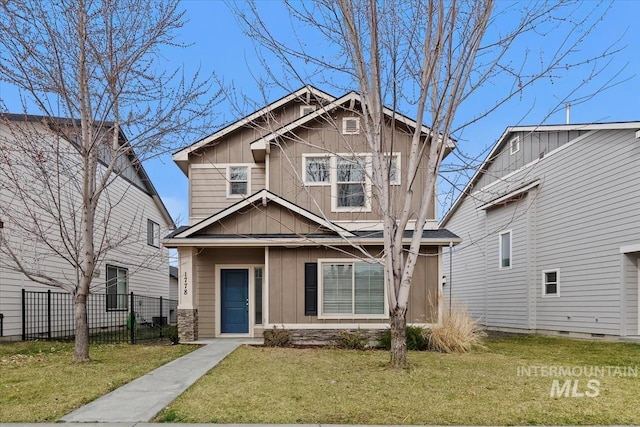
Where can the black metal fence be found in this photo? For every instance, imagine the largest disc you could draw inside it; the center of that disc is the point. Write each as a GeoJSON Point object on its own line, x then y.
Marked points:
{"type": "Point", "coordinates": [112, 318]}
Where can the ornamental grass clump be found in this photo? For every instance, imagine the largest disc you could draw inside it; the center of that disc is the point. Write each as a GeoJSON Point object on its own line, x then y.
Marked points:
{"type": "Point", "coordinates": [457, 333]}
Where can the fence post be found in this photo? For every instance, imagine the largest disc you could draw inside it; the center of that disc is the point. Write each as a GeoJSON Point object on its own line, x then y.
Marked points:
{"type": "Point", "coordinates": [132, 316]}
{"type": "Point", "coordinates": [49, 314]}
{"type": "Point", "coordinates": [24, 315]}
{"type": "Point", "coordinates": [161, 318]}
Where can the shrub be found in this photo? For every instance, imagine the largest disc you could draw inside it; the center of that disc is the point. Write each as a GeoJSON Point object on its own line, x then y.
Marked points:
{"type": "Point", "coordinates": [172, 333]}
{"type": "Point", "coordinates": [277, 337]}
{"type": "Point", "coordinates": [417, 339]}
{"type": "Point", "coordinates": [458, 332]}
{"type": "Point", "coordinates": [352, 340]}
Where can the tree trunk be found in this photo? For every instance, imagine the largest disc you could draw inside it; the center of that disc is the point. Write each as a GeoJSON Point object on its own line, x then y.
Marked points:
{"type": "Point", "coordinates": [81, 349]}
{"type": "Point", "coordinates": [398, 323]}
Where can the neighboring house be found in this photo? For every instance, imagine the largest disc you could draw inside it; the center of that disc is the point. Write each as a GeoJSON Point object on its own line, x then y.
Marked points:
{"type": "Point", "coordinates": [278, 205]}
{"type": "Point", "coordinates": [173, 283]}
{"type": "Point", "coordinates": [134, 215]}
{"type": "Point", "coordinates": [550, 235]}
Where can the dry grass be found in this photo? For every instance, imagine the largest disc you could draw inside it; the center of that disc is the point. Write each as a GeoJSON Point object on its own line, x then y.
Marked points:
{"type": "Point", "coordinates": [38, 381]}
{"type": "Point", "coordinates": [458, 332]}
{"type": "Point", "coordinates": [276, 385]}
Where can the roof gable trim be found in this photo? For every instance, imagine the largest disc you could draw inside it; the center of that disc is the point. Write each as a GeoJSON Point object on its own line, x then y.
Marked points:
{"type": "Point", "coordinates": [263, 196]}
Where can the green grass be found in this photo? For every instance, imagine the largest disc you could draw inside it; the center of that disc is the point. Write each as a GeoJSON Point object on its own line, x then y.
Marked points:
{"type": "Point", "coordinates": [38, 381]}
{"type": "Point", "coordinates": [276, 385]}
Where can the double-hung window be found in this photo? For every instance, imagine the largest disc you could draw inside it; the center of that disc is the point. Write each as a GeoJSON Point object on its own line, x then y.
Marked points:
{"type": "Point", "coordinates": [505, 249]}
{"type": "Point", "coordinates": [351, 183]}
{"type": "Point", "coordinates": [550, 283]}
{"type": "Point", "coordinates": [153, 234]}
{"type": "Point", "coordinates": [238, 181]}
{"type": "Point", "coordinates": [117, 281]}
{"type": "Point", "coordinates": [352, 289]}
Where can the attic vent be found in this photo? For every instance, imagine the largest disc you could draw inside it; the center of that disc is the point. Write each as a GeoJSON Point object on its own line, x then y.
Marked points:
{"type": "Point", "coordinates": [350, 125]}
{"type": "Point", "coordinates": [307, 109]}
{"type": "Point", "coordinates": [514, 145]}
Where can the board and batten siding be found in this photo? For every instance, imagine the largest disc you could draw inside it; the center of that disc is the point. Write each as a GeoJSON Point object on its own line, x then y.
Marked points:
{"type": "Point", "coordinates": [582, 212]}
{"type": "Point", "coordinates": [286, 286]}
{"type": "Point", "coordinates": [207, 281]}
{"type": "Point", "coordinates": [324, 137]}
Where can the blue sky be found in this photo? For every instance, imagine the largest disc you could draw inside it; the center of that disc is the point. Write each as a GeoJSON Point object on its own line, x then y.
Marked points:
{"type": "Point", "coordinates": [217, 44]}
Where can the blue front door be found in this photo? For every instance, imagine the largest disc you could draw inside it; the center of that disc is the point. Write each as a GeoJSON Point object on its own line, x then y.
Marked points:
{"type": "Point", "coordinates": [234, 301]}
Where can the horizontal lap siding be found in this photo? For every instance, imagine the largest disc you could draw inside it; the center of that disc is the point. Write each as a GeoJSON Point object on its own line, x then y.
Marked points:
{"type": "Point", "coordinates": [507, 289]}
{"type": "Point", "coordinates": [122, 212]}
{"type": "Point", "coordinates": [467, 282]}
{"type": "Point", "coordinates": [208, 188]}
{"type": "Point", "coordinates": [589, 211]}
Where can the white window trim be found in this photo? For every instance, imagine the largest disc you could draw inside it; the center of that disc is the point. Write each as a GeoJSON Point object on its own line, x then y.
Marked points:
{"type": "Point", "coordinates": [544, 283]}
{"type": "Point", "coordinates": [228, 172]}
{"type": "Point", "coordinates": [500, 267]}
{"type": "Point", "coordinates": [306, 156]}
{"type": "Point", "coordinates": [398, 180]}
{"type": "Point", "coordinates": [334, 183]}
{"type": "Point", "coordinates": [119, 297]}
{"type": "Point", "coordinates": [304, 107]}
{"type": "Point", "coordinates": [514, 145]}
{"type": "Point", "coordinates": [321, 314]}
{"type": "Point", "coordinates": [155, 233]}
{"type": "Point", "coordinates": [344, 126]}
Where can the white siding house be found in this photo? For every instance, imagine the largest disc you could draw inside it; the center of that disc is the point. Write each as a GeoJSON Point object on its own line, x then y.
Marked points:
{"type": "Point", "coordinates": [131, 217]}
{"type": "Point", "coordinates": [561, 202]}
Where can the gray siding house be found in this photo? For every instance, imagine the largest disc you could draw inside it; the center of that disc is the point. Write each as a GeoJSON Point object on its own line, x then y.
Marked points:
{"type": "Point", "coordinates": [550, 234]}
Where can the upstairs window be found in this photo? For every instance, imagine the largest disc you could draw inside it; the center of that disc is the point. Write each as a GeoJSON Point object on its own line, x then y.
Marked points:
{"type": "Point", "coordinates": [238, 180]}
{"type": "Point", "coordinates": [350, 125]}
{"type": "Point", "coordinates": [550, 283]}
{"type": "Point", "coordinates": [514, 145]}
{"type": "Point", "coordinates": [351, 183]}
{"type": "Point", "coordinates": [153, 234]}
{"type": "Point", "coordinates": [317, 170]}
{"type": "Point", "coordinates": [505, 249]}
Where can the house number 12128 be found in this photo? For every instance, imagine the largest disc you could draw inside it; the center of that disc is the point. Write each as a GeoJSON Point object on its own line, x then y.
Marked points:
{"type": "Point", "coordinates": [185, 283]}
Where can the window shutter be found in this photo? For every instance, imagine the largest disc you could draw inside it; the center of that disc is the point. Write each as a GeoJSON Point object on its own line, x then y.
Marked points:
{"type": "Point", "coordinates": [310, 289]}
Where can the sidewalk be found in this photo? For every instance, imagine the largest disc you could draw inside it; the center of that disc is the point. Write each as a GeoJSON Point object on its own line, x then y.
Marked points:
{"type": "Point", "coordinates": [141, 399]}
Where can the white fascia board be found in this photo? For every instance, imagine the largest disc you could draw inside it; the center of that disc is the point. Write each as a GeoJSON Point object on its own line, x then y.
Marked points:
{"type": "Point", "coordinates": [183, 154]}
{"type": "Point", "coordinates": [508, 196]}
{"type": "Point", "coordinates": [351, 96]}
{"type": "Point", "coordinates": [255, 198]}
{"type": "Point", "coordinates": [540, 128]}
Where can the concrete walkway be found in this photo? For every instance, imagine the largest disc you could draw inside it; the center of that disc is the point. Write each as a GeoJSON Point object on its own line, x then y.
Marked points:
{"type": "Point", "coordinates": [142, 399]}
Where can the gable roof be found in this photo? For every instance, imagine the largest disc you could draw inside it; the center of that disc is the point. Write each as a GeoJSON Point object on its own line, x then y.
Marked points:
{"type": "Point", "coordinates": [264, 196]}
{"type": "Point", "coordinates": [305, 91]}
{"type": "Point", "coordinates": [349, 98]}
{"type": "Point", "coordinates": [504, 138]}
{"type": "Point", "coordinates": [52, 122]}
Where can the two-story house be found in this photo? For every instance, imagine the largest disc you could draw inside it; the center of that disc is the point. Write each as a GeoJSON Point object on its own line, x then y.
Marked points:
{"type": "Point", "coordinates": [550, 238]}
{"type": "Point", "coordinates": [130, 220]}
{"type": "Point", "coordinates": [284, 226]}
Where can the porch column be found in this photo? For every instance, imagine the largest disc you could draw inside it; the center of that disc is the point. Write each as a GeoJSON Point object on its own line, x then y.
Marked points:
{"type": "Point", "coordinates": [187, 298]}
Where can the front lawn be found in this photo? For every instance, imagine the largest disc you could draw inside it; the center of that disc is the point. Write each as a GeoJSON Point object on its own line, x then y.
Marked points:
{"type": "Point", "coordinates": [38, 381]}
{"type": "Point", "coordinates": [289, 386]}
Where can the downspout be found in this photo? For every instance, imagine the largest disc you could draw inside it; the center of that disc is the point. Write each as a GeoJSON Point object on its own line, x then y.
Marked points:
{"type": "Point", "coordinates": [450, 279]}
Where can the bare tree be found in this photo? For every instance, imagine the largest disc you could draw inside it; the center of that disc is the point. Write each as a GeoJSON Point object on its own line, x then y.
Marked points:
{"type": "Point", "coordinates": [99, 64]}
{"type": "Point", "coordinates": [425, 58]}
